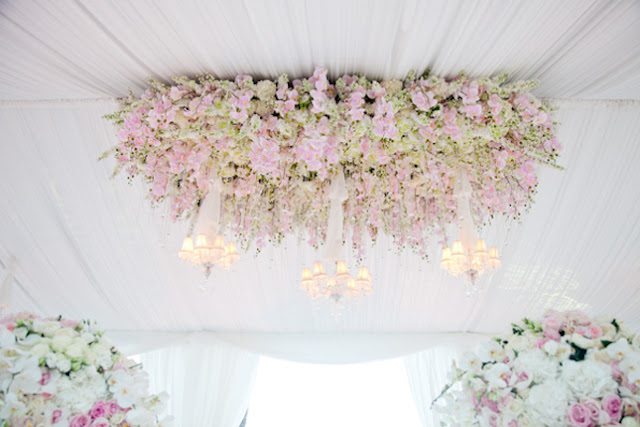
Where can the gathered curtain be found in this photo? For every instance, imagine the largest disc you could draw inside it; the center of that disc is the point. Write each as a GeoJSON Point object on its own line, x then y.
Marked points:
{"type": "Point", "coordinates": [209, 381]}
{"type": "Point", "coordinates": [427, 373]}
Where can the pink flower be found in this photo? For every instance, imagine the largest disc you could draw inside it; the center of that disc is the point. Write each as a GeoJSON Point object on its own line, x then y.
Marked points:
{"type": "Point", "coordinates": [100, 422]}
{"type": "Point", "coordinates": [98, 410]}
{"type": "Point", "coordinates": [424, 101]}
{"type": "Point", "coordinates": [80, 420]}
{"type": "Point", "coordinates": [594, 408]}
{"type": "Point", "coordinates": [472, 111]}
{"type": "Point", "coordinates": [579, 415]}
{"type": "Point", "coordinates": [612, 404]}
{"type": "Point", "coordinates": [55, 416]}
{"type": "Point", "coordinates": [495, 105]}
{"type": "Point", "coordinates": [46, 376]}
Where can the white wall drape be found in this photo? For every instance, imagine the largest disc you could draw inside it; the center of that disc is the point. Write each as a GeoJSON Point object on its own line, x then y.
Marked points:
{"type": "Point", "coordinates": [427, 373]}
{"type": "Point", "coordinates": [209, 381]}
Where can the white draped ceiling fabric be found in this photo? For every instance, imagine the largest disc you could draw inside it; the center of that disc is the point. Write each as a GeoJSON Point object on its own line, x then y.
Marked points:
{"type": "Point", "coordinates": [87, 245]}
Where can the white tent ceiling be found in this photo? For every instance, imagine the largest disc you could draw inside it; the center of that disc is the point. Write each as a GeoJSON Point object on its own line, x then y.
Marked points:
{"type": "Point", "coordinates": [91, 246]}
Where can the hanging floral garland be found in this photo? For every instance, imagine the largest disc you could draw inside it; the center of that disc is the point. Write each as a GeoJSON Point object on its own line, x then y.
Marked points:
{"type": "Point", "coordinates": [59, 372]}
{"type": "Point", "coordinates": [277, 144]}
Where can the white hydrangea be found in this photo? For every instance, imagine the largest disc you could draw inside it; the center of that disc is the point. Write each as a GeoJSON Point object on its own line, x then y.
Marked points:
{"type": "Point", "coordinates": [548, 402]}
{"type": "Point", "coordinates": [588, 378]}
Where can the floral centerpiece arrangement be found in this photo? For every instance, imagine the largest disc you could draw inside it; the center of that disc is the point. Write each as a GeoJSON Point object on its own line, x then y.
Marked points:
{"type": "Point", "coordinates": [64, 373]}
{"type": "Point", "coordinates": [276, 145]}
{"type": "Point", "coordinates": [569, 369]}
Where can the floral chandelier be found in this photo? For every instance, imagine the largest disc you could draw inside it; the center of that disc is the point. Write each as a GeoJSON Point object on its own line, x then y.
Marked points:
{"type": "Point", "coordinates": [277, 146]}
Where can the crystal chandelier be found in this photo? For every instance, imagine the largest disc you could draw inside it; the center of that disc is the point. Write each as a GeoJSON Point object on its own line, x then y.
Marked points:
{"type": "Point", "coordinates": [338, 287]}
{"type": "Point", "coordinates": [464, 258]}
{"type": "Point", "coordinates": [210, 249]}
{"type": "Point", "coordinates": [461, 260]}
{"type": "Point", "coordinates": [341, 286]}
{"type": "Point", "coordinates": [208, 253]}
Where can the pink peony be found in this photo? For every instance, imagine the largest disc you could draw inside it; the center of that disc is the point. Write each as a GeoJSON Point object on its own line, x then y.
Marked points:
{"type": "Point", "coordinates": [579, 415]}
{"type": "Point", "coordinates": [612, 404]}
{"type": "Point", "coordinates": [80, 420]}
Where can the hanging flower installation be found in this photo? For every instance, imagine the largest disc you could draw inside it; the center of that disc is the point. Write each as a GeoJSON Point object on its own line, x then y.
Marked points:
{"type": "Point", "coordinates": [58, 372]}
{"type": "Point", "coordinates": [277, 144]}
{"type": "Point", "coordinates": [568, 369]}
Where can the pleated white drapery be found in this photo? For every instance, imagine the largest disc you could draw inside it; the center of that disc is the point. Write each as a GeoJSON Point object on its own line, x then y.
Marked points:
{"type": "Point", "coordinates": [427, 373]}
{"type": "Point", "coordinates": [209, 381]}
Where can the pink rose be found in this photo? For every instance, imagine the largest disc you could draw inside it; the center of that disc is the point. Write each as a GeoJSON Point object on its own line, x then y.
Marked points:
{"type": "Point", "coordinates": [113, 407]}
{"type": "Point", "coordinates": [80, 420]}
{"type": "Point", "coordinates": [579, 415]}
{"type": "Point", "coordinates": [98, 410]}
{"type": "Point", "coordinates": [612, 404]}
{"type": "Point", "coordinates": [594, 408]}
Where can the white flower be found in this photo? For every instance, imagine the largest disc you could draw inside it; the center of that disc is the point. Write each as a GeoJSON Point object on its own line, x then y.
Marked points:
{"type": "Point", "coordinates": [63, 364]}
{"type": "Point", "coordinates": [491, 352]}
{"type": "Point", "coordinates": [497, 375]}
{"type": "Point", "coordinates": [266, 90]}
{"type": "Point", "coordinates": [27, 381]}
{"type": "Point", "coordinates": [631, 367]}
{"type": "Point", "coordinates": [536, 365]}
{"type": "Point", "coordinates": [582, 341]}
{"type": "Point", "coordinates": [7, 339]}
{"type": "Point", "coordinates": [619, 350]}
{"type": "Point", "coordinates": [76, 349]}
{"type": "Point", "coordinates": [470, 362]}
{"type": "Point", "coordinates": [548, 403]}
{"type": "Point", "coordinates": [41, 350]}
{"type": "Point", "coordinates": [550, 347]}
{"type": "Point", "coordinates": [588, 378]}
{"type": "Point", "coordinates": [62, 338]}
{"type": "Point", "coordinates": [12, 407]}
{"type": "Point", "coordinates": [629, 422]}
{"type": "Point", "coordinates": [20, 332]}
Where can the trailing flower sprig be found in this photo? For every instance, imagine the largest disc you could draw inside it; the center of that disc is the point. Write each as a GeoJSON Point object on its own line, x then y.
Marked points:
{"type": "Point", "coordinates": [277, 144]}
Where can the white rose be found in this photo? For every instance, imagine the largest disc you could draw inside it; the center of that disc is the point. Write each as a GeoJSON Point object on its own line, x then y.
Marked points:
{"type": "Point", "coordinates": [61, 342]}
{"type": "Point", "coordinates": [63, 364]}
{"type": "Point", "coordinates": [41, 350]}
{"type": "Point", "coordinates": [76, 349]}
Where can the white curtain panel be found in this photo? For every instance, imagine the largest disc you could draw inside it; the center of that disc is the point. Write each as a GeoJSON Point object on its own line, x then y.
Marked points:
{"type": "Point", "coordinates": [427, 373]}
{"type": "Point", "coordinates": [209, 381]}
